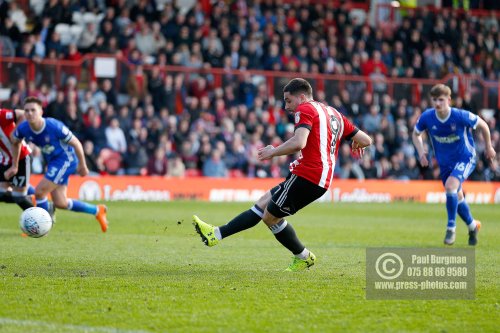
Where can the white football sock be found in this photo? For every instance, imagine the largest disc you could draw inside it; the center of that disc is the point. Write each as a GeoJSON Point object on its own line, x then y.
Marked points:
{"type": "Point", "coordinates": [472, 226]}
{"type": "Point", "coordinates": [217, 233]}
{"type": "Point", "coordinates": [303, 255]}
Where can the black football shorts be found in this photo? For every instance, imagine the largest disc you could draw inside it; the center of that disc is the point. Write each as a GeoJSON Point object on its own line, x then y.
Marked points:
{"type": "Point", "coordinates": [292, 195]}
{"type": "Point", "coordinates": [22, 178]}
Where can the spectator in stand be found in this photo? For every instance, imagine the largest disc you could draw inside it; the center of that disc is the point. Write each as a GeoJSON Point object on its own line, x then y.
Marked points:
{"type": "Point", "coordinates": [110, 92]}
{"type": "Point", "coordinates": [137, 83]}
{"type": "Point", "coordinates": [115, 138]}
{"type": "Point", "coordinates": [73, 119]}
{"type": "Point", "coordinates": [368, 168]}
{"type": "Point", "coordinates": [94, 164]}
{"type": "Point", "coordinates": [175, 167]}
{"type": "Point", "coordinates": [45, 95]}
{"type": "Point", "coordinates": [397, 170]}
{"type": "Point", "coordinates": [372, 120]}
{"type": "Point", "coordinates": [135, 160]}
{"type": "Point", "coordinates": [88, 37]}
{"type": "Point", "coordinates": [158, 163]}
{"type": "Point", "coordinates": [411, 168]}
{"type": "Point", "coordinates": [95, 131]}
{"type": "Point", "coordinates": [10, 29]}
{"type": "Point", "coordinates": [56, 108]}
{"type": "Point", "coordinates": [215, 166]}
{"type": "Point", "coordinates": [374, 62]}
{"type": "Point", "coordinates": [145, 41]}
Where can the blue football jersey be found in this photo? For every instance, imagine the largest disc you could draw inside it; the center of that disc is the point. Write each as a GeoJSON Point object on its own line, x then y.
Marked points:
{"type": "Point", "coordinates": [452, 137]}
{"type": "Point", "coordinates": [52, 139]}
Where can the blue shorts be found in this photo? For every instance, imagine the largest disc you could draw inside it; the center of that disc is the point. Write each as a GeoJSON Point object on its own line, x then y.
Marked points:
{"type": "Point", "coordinates": [461, 170]}
{"type": "Point", "coordinates": [58, 171]}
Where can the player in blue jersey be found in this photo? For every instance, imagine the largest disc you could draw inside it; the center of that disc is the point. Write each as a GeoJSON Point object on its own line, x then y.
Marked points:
{"type": "Point", "coordinates": [450, 131]}
{"type": "Point", "coordinates": [63, 154]}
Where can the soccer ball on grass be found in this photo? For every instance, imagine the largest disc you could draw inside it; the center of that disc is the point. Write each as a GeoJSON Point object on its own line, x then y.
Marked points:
{"type": "Point", "coordinates": [35, 222]}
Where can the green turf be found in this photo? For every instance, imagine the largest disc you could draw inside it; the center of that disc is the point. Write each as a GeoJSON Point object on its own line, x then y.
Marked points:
{"type": "Point", "coordinates": [151, 273]}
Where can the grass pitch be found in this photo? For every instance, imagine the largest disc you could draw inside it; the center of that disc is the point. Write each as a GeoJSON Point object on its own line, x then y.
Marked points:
{"type": "Point", "coordinates": [151, 273]}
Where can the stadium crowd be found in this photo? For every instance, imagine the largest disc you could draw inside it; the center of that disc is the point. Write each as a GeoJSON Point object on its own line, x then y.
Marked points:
{"type": "Point", "coordinates": [160, 123]}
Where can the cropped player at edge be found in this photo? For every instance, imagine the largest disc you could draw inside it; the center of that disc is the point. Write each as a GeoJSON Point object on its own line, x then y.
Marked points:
{"type": "Point", "coordinates": [319, 129]}
{"type": "Point", "coordinates": [19, 182]}
{"type": "Point", "coordinates": [64, 155]}
{"type": "Point", "coordinates": [450, 132]}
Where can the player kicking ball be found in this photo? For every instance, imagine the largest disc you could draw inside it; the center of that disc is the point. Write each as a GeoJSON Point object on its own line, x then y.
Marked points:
{"type": "Point", "coordinates": [319, 130]}
{"type": "Point", "coordinates": [450, 130]}
{"type": "Point", "coordinates": [64, 156]}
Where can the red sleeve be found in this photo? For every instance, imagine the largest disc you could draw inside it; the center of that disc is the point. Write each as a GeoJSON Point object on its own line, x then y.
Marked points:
{"type": "Point", "coordinates": [349, 129]}
{"type": "Point", "coordinates": [7, 116]}
{"type": "Point", "coordinates": [304, 116]}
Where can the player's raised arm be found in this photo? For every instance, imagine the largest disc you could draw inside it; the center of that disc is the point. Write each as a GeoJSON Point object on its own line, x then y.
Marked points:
{"type": "Point", "coordinates": [419, 145]}
{"type": "Point", "coordinates": [296, 143]}
{"type": "Point", "coordinates": [82, 166]}
{"type": "Point", "coordinates": [485, 130]}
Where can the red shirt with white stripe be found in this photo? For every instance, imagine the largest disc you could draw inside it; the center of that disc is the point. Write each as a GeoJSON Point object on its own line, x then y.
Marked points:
{"type": "Point", "coordinates": [7, 126]}
{"type": "Point", "coordinates": [328, 128]}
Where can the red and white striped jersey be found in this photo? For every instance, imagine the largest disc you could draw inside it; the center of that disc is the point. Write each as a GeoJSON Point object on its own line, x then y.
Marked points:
{"type": "Point", "coordinates": [7, 126]}
{"type": "Point", "coordinates": [328, 128]}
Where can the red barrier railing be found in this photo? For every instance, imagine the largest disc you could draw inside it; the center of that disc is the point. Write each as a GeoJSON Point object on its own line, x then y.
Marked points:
{"type": "Point", "coordinates": [54, 73]}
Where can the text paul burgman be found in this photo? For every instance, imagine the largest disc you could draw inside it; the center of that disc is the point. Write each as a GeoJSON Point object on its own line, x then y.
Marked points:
{"type": "Point", "coordinates": [435, 259]}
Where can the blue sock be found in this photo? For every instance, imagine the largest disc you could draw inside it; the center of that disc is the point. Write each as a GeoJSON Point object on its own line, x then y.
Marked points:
{"type": "Point", "coordinates": [43, 203]}
{"type": "Point", "coordinates": [82, 206]}
{"type": "Point", "coordinates": [31, 190]}
{"type": "Point", "coordinates": [451, 208]}
{"type": "Point", "coordinates": [463, 211]}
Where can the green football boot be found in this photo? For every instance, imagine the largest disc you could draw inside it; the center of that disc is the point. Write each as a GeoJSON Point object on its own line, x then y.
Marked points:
{"type": "Point", "coordinates": [301, 264]}
{"type": "Point", "coordinates": [206, 231]}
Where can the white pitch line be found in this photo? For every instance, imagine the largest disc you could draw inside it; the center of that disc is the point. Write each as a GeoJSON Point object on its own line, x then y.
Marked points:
{"type": "Point", "coordinates": [79, 328]}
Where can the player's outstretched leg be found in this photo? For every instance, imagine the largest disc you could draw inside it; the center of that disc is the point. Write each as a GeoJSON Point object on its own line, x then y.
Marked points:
{"type": "Point", "coordinates": [246, 220]}
{"type": "Point", "coordinates": [206, 231]}
{"type": "Point", "coordinates": [99, 211]}
{"type": "Point", "coordinates": [473, 233]}
{"type": "Point", "coordinates": [24, 201]}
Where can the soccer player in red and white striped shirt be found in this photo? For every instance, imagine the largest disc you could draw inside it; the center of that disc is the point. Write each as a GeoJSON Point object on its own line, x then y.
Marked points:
{"type": "Point", "coordinates": [20, 181]}
{"type": "Point", "coordinates": [319, 130]}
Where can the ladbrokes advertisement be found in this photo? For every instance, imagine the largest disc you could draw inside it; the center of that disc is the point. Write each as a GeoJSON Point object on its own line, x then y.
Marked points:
{"type": "Point", "coordinates": [112, 188]}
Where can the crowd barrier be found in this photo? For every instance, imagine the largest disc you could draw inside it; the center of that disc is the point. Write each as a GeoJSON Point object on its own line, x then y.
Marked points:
{"type": "Point", "coordinates": [484, 94]}
{"type": "Point", "coordinates": [131, 188]}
